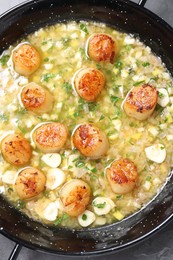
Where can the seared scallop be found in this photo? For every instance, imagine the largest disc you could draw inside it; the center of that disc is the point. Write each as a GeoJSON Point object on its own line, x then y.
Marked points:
{"type": "Point", "coordinates": [89, 83]}
{"type": "Point", "coordinates": [50, 137]}
{"type": "Point", "coordinates": [16, 149]}
{"type": "Point", "coordinates": [90, 141]}
{"type": "Point", "coordinates": [122, 176]}
{"type": "Point", "coordinates": [36, 99]}
{"type": "Point", "coordinates": [141, 102]}
{"type": "Point", "coordinates": [101, 47]}
{"type": "Point", "coordinates": [75, 196]}
{"type": "Point", "coordinates": [30, 182]}
{"type": "Point", "coordinates": [26, 59]}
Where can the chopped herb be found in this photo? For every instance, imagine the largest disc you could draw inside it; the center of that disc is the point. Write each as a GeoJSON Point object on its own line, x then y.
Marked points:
{"type": "Point", "coordinates": [46, 59]}
{"type": "Point", "coordinates": [60, 219]}
{"type": "Point", "coordinates": [10, 189]}
{"type": "Point", "coordinates": [161, 95]}
{"type": "Point", "coordinates": [102, 174]}
{"type": "Point", "coordinates": [67, 86]}
{"type": "Point", "coordinates": [98, 66]}
{"type": "Point", "coordinates": [170, 86]}
{"type": "Point", "coordinates": [145, 64]}
{"type": "Point", "coordinates": [75, 160]}
{"type": "Point", "coordinates": [109, 162]}
{"type": "Point", "coordinates": [162, 147]}
{"type": "Point", "coordinates": [138, 62]}
{"type": "Point", "coordinates": [46, 193]}
{"type": "Point", "coordinates": [110, 133]}
{"type": "Point", "coordinates": [79, 164]}
{"type": "Point", "coordinates": [93, 176]}
{"type": "Point", "coordinates": [84, 217]}
{"type": "Point", "coordinates": [101, 117]}
{"type": "Point", "coordinates": [117, 113]}
{"type": "Point", "coordinates": [76, 114]}
{"type": "Point", "coordinates": [22, 111]}
{"type": "Point", "coordinates": [21, 204]}
{"type": "Point", "coordinates": [21, 128]}
{"type": "Point", "coordinates": [114, 99]}
{"type": "Point", "coordinates": [128, 47]}
{"type": "Point", "coordinates": [40, 118]}
{"type": "Point", "coordinates": [84, 28]}
{"type": "Point", "coordinates": [116, 88]}
{"type": "Point", "coordinates": [48, 76]}
{"type": "Point", "coordinates": [83, 54]}
{"type": "Point", "coordinates": [119, 197]}
{"type": "Point", "coordinates": [133, 124]}
{"type": "Point", "coordinates": [100, 205]}
{"type": "Point", "coordinates": [154, 78]}
{"type": "Point", "coordinates": [148, 178]}
{"type": "Point", "coordinates": [4, 118]}
{"type": "Point", "coordinates": [94, 170]}
{"type": "Point", "coordinates": [93, 106]}
{"type": "Point", "coordinates": [138, 83]}
{"type": "Point", "coordinates": [44, 43]}
{"type": "Point", "coordinates": [119, 65]}
{"type": "Point", "coordinates": [4, 60]}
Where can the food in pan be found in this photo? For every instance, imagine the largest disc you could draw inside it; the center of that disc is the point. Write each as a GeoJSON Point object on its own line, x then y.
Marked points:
{"type": "Point", "coordinates": [86, 125]}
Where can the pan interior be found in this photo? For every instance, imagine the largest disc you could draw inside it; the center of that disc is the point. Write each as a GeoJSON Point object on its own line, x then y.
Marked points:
{"type": "Point", "coordinates": [154, 33]}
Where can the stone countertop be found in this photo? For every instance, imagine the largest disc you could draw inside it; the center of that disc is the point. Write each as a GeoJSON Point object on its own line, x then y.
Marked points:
{"type": "Point", "coordinates": [158, 246]}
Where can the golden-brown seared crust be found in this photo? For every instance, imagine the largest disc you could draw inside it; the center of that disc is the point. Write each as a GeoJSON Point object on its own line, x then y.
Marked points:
{"type": "Point", "coordinates": [90, 141]}
{"type": "Point", "coordinates": [30, 182]}
{"type": "Point", "coordinates": [36, 99]}
{"type": "Point", "coordinates": [89, 83]}
{"type": "Point", "coordinates": [26, 59]}
{"type": "Point", "coordinates": [50, 137]}
{"type": "Point", "coordinates": [101, 47]}
{"type": "Point", "coordinates": [75, 196]}
{"type": "Point", "coordinates": [16, 149]}
{"type": "Point", "coordinates": [122, 175]}
{"type": "Point", "coordinates": [141, 101]}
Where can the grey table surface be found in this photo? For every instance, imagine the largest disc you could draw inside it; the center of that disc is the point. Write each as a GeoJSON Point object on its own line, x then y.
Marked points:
{"type": "Point", "coordinates": [157, 247]}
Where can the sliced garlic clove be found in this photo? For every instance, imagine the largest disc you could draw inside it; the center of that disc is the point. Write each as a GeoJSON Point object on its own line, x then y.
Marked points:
{"type": "Point", "coordinates": [102, 205]}
{"type": "Point", "coordinates": [9, 177]}
{"type": "Point", "coordinates": [156, 153]}
{"type": "Point", "coordinates": [55, 177]}
{"type": "Point", "coordinates": [86, 218]}
{"type": "Point", "coordinates": [163, 98]}
{"type": "Point", "coordinates": [51, 212]}
{"type": "Point", "coordinates": [52, 159]}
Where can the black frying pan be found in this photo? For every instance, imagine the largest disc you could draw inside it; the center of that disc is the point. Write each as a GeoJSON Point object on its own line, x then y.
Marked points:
{"type": "Point", "coordinates": [124, 16]}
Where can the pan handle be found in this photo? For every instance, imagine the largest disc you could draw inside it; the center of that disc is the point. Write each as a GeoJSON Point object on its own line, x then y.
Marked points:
{"type": "Point", "coordinates": [142, 2]}
{"type": "Point", "coordinates": [15, 252]}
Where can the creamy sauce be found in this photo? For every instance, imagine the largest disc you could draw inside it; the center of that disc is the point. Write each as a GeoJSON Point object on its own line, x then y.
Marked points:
{"type": "Point", "coordinates": [63, 52]}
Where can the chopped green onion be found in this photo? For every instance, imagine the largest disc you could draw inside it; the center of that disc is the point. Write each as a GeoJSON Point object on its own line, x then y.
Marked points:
{"type": "Point", "coordinates": [79, 164]}
{"type": "Point", "coordinates": [84, 28]}
{"type": "Point", "coordinates": [119, 65]}
{"type": "Point", "coordinates": [21, 204]}
{"type": "Point", "coordinates": [48, 76]}
{"type": "Point", "coordinates": [60, 219]}
{"type": "Point", "coordinates": [67, 86]}
{"type": "Point", "coordinates": [84, 217]}
{"type": "Point", "coordinates": [101, 117]}
{"type": "Point", "coordinates": [138, 83]}
{"type": "Point", "coordinates": [100, 205]}
{"type": "Point", "coordinates": [114, 99]}
{"type": "Point", "coordinates": [98, 66]}
{"type": "Point", "coordinates": [46, 59]}
{"type": "Point", "coordinates": [145, 64]}
{"type": "Point", "coordinates": [119, 196]}
{"type": "Point", "coordinates": [4, 60]}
